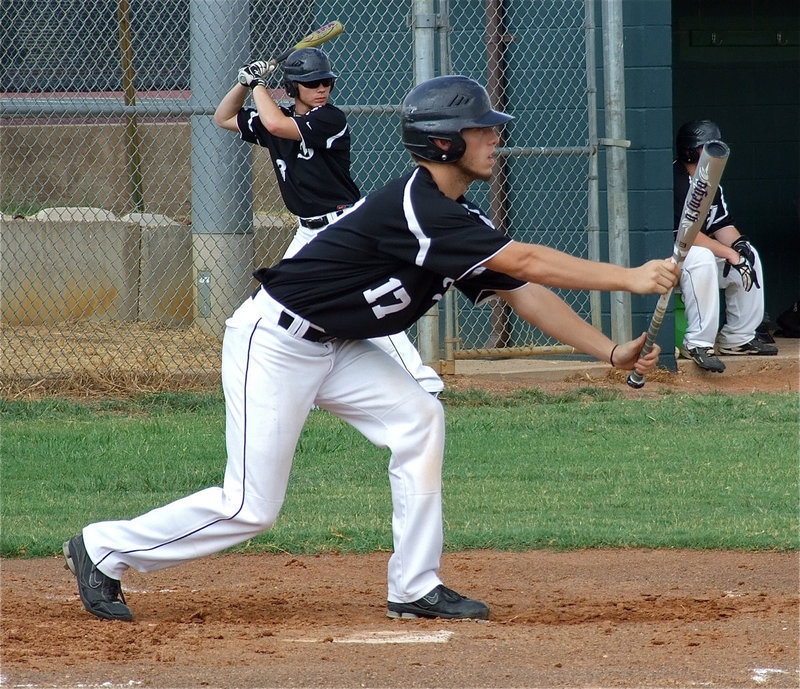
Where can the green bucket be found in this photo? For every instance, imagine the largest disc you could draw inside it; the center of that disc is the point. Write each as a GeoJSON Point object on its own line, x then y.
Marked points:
{"type": "Point", "coordinates": [680, 320]}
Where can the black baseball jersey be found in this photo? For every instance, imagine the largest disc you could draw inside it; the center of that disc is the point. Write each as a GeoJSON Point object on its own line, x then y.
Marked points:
{"type": "Point", "coordinates": [718, 215]}
{"type": "Point", "coordinates": [378, 268]}
{"type": "Point", "coordinates": [314, 173]}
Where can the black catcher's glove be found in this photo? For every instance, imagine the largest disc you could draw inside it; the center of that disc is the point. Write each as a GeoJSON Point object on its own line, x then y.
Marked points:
{"type": "Point", "coordinates": [746, 266]}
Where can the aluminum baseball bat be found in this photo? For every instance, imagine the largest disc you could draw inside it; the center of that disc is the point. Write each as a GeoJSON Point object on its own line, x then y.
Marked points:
{"type": "Point", "coordinates": [702, 187]}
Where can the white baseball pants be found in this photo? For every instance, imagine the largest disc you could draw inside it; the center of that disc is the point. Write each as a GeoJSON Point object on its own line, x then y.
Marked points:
{"type": "Point", "coordinates": [700, 281]}
{"type": "Point", "coordinates": [271, 378]}
{"type": "Point", "coordinates": [398, 346]}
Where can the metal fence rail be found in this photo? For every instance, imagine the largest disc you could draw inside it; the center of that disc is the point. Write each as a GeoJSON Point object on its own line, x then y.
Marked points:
{"type": "Point", "coordinates": [131, 223]}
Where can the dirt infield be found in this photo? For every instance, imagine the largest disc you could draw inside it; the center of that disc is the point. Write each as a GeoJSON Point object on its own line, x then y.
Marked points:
{"type": "Point", "coordinates": [598, 618]}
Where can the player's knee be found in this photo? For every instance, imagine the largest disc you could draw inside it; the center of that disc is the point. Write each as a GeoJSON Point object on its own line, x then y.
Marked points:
{"type": "Point", "coordinates": [430, 414]}
{"type": "Point", "coordinates": [701, 256]}
{"type": "Point", "coordinates": [254, 514]}
{"type": "Point", "coordinates": [701, 267]}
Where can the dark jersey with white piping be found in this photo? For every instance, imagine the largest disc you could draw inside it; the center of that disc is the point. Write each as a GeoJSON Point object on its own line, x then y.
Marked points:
{"type": "Point", "coordinates": [313, 173]}
{"type": "Point", "coordinates": [379, 267]}
{"type": "Point", "coordinates": [718, 215]}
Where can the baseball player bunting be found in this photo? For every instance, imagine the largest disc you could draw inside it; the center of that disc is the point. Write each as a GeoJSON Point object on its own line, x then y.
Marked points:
{"type": "Point", "coordinates": [300, 341]}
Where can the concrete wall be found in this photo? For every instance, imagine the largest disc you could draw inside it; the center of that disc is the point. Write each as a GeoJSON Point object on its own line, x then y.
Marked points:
{"type": "Point", "coordinates": [648, 111]}
{"type": "Point", "coordinates": [85, 165]}
{"type": "Point", "coordinates": [70, 264]}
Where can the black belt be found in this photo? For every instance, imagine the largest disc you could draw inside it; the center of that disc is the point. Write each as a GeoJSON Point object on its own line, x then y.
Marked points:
{"type": "Point", "coordinates": [322, 221]}
{"type": "Point", "coordinates": [314, 224]}
{"type": "Point", "coordinates": [313, 334]}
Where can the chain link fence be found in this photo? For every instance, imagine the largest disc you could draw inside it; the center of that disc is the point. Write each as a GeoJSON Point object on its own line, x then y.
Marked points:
{"type": "Point", "coordinates": [131, 223]}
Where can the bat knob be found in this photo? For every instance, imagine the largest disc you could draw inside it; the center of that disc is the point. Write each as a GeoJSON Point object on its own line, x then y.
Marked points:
{"type": "Point", "coordinates": [635, 380]}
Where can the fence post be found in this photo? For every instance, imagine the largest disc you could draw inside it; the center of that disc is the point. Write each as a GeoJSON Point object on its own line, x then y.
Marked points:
{"type": "Point", "coordinates": [616, 163]}
{"type": "Point", "coordinates": [222, 207]}
{"type": "Point", "coordinates": [423, 26]}
{"type": "Point", "coordinates": [592, 203]}
{"type": "Point", "coordinates": [498, 185]}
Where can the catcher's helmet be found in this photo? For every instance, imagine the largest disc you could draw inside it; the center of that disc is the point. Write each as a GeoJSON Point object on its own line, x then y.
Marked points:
{"type": "Point", "coordinates": [693, 134]}
{"type": "Point", "coordinates": [306, 64]}
{"type": "Point", "coordinates": [439, 109]}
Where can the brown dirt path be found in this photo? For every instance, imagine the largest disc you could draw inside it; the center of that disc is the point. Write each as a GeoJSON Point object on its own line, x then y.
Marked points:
{"type": "Point", "coordinates": [595, 618]}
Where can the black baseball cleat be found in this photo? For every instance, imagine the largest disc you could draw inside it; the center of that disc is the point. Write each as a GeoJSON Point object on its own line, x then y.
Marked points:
{"type": "Point", "coordinates": [755, 346]}
{"type": "Point", "coordinates": [441, 602]}
{"type": "Point", "coordinates": [704, 358]}
{"type": "Point", "coordinates": [101, 595]}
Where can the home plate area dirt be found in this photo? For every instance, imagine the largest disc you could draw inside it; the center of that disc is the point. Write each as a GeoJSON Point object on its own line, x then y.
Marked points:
{"type": "Point", "coordinates": [592, 618]}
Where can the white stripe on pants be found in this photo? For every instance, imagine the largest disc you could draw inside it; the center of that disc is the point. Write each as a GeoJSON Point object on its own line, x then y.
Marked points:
{"type": "Point", "coordinates": [271, 379]}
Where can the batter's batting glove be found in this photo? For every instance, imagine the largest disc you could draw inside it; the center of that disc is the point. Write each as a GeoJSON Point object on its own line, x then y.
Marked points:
{"type": "Point", "coordinates": [749, 277]}
{"type": "Point", "coordinates": [745, 250]}
{"type": "Point", "coordinates": [249, 77]}
{"type": "Point", "coordinates": [262, 68]}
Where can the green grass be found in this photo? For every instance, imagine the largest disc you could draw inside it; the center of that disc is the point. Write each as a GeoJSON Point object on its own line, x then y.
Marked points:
{"type": "Point", "coordinates": [23, 207]}
{"type": "Point", "coordinates": [586, 469]}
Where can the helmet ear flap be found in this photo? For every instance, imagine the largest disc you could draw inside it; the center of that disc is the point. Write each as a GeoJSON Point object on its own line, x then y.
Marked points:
{"type": "Point", "coordinates": [690, 155]}
{"type": "Point", "coordinates": [456, 149]}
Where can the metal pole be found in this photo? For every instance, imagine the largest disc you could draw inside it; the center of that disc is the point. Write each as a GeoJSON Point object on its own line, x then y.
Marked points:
{"type": "Point", "coordinates": [222, 211]}
{"type": "Point", "coordinates": [129, 90]}
{"type": "Point", "coordinates": [616, 163]}
{"type": "Point", "coordinates": [498, 192]}
{"type": "Point", "coordinates": [444, 37]}
{"type": "Point", "coordinates": [423, 26]}
{"type": "Point", "coordinates": [592, 203]}
{"type": "Point", "coordinates": [451, 341]}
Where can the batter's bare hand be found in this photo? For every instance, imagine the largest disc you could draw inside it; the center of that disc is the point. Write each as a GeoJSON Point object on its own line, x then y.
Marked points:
{"type": "Point", "coordinates": [655, 277]}
{"type": "Point", "coordinates": [627, 356]}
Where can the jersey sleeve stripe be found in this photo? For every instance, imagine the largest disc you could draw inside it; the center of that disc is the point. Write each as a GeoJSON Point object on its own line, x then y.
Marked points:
{"type": "Point", "coordinates": [423, 241]}
{"type": "Point", "coordinates": [481, 262]}
{"type": "Point", "coordinates": [330, 141]}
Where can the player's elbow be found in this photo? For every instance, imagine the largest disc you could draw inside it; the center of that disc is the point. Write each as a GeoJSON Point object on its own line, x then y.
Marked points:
{"type": "Point", "coordinates": [225, 122]}
{"type": "Point", "coordinates": [273, 127]}
{"type": "Point", "coordinates": [283, 127]}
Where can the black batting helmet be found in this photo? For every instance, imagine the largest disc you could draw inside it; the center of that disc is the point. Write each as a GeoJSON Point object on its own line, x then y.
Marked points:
{"type": "Point", "coordinates": [439, 109]}
{"type": "Point", "coordinates": [693, 134]}
{"type": "Point", "coordinates": [305, 64]}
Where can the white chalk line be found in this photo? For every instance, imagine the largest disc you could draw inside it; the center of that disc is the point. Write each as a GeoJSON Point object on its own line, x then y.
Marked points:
{"type": "Point", "coordinates": [383, 637]}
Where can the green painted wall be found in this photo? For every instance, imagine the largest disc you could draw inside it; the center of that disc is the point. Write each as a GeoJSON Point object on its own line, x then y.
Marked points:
{"type": "Point", "coordinates": [648, 122]}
